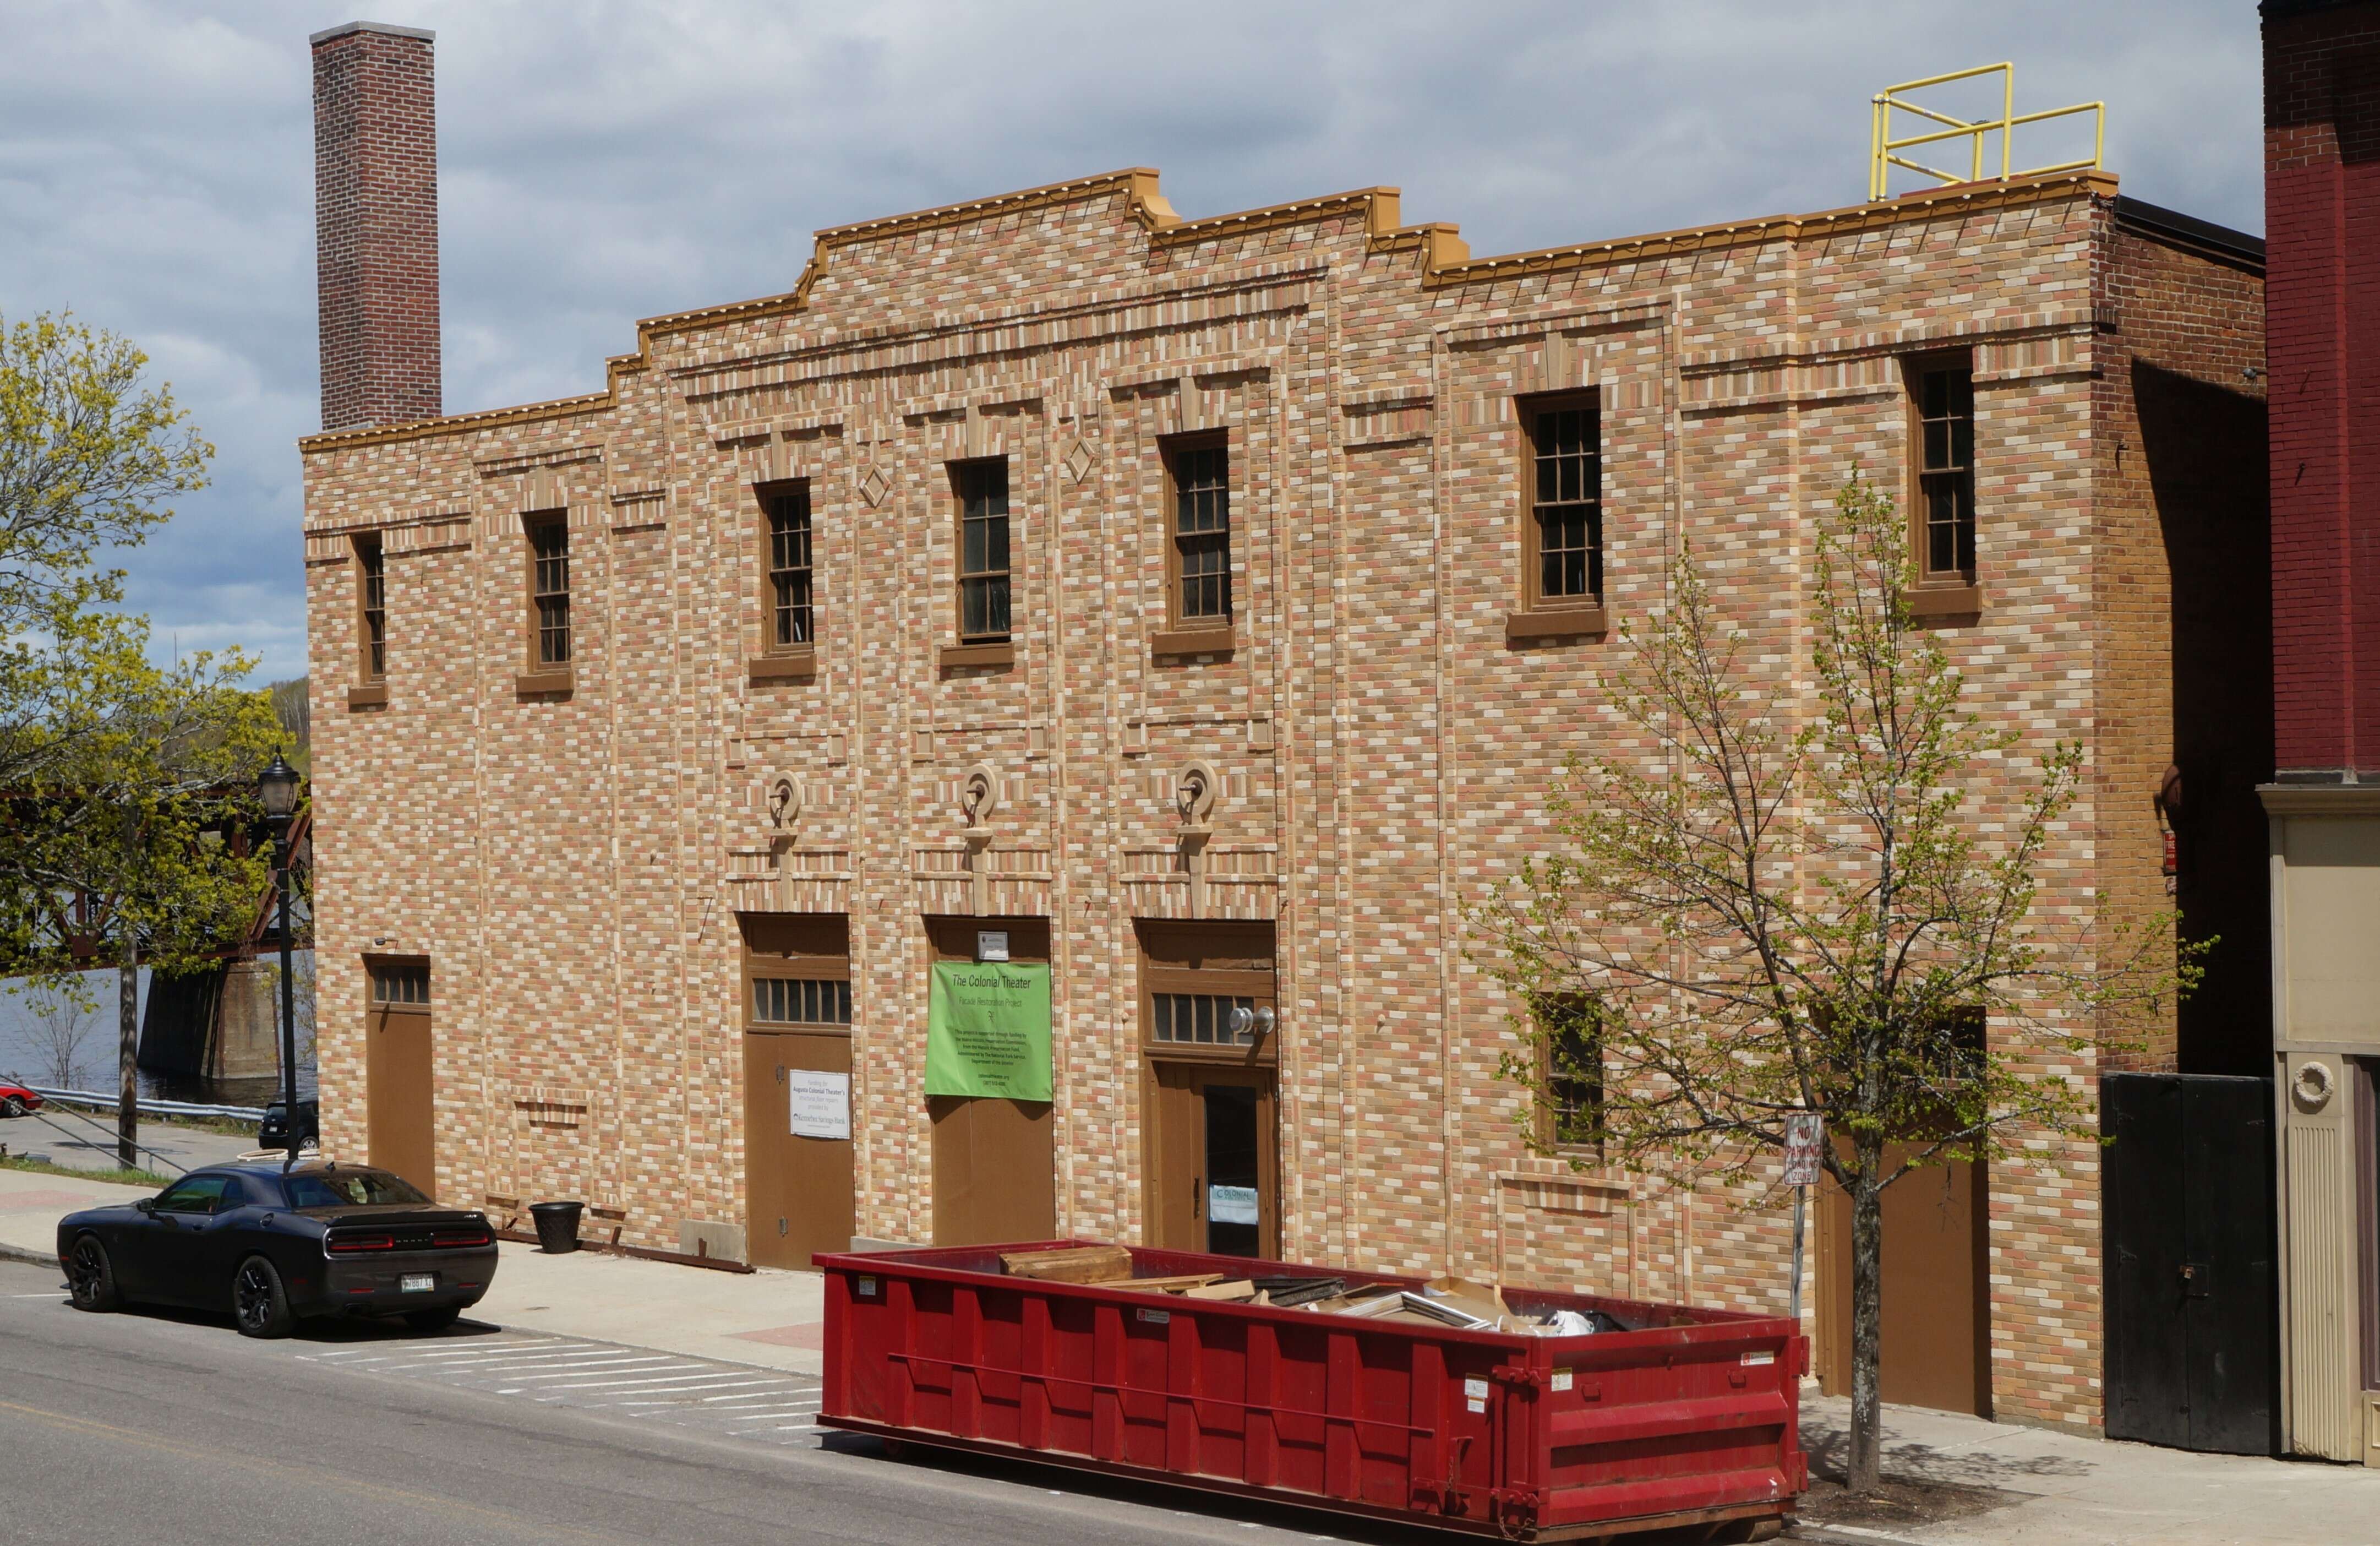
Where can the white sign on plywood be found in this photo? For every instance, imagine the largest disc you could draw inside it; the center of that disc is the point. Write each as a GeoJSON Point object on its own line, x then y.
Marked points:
{"type": "Point", "coordinates": [820, 1103]}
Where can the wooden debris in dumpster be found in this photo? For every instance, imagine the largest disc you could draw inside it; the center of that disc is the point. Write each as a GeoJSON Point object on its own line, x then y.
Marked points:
{"type": "Point", "coordinates": [1233, 1291]}
{"type": "Point", "coordinates": [1073, 1264]}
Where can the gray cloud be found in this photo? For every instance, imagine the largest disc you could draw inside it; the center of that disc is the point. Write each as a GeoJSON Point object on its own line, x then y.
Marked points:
{"type": "Point", "coordinates": [603, 161]}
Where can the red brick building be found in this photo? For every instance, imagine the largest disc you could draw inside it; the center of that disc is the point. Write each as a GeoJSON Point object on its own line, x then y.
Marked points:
{"type": "Point", "coordinates": [2321, 202]}
{"type": "Point", "coordinates": [1177, 603]}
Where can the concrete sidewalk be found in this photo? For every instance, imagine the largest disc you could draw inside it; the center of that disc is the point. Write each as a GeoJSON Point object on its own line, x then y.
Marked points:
{"type": "Point", "coordinates": [2073, 1490]}
{"type": "Point", "coordinates": [772, 1319]}
{"type": "Point", "coordinates": [66, 1136]}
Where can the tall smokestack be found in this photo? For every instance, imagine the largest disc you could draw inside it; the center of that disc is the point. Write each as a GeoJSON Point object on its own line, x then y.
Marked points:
{"type": "Point", "coordinates": [376, 224]}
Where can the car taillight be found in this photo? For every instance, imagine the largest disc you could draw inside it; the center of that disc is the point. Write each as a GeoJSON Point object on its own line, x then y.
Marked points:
{"type": "Point", "coordinates": [460, 1238]}
{"type": "Point", "coordinates": [344, 1245]}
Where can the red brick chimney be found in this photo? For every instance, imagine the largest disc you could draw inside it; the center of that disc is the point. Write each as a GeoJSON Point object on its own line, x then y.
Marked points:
{"type": "Point", "coordinates": [2321, 329]}
{"type": "Point", "coordinates": [376, 224]}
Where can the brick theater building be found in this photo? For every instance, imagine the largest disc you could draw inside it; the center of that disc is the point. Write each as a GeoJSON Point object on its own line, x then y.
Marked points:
{"type": "Point", "coordinates": [2321, 211]}
{"type": "Point", "coordinates": [1205, 608]}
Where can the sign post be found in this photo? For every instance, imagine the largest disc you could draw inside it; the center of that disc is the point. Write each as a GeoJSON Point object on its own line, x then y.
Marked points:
{"type": "Point", "coordinates": [1805, 1137]}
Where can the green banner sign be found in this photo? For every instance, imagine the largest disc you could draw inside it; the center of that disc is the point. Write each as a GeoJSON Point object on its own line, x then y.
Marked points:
{"type": "Point", "coordinates": [988, 1030]}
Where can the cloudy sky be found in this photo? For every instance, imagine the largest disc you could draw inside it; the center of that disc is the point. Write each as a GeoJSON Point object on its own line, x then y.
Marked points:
{"type": "Point", "coordinates": [603, 161]}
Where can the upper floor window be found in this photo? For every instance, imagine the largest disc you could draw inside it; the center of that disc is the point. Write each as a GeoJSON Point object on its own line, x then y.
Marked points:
{"type": "Point", "coordinates": [1565, 527]}
{"type": "Point", "coordinates": [549, 546]}
{"type": "Point", "coordinates": [1945, 394]}
{"type": "Point", "coordinates": [373, 598]}
{"type": "Point", "coordinates": [1198, 559]}
{"type": "Point", "coordinates": [983, 488]}
{"type": "Point", "coordinates": [1569, 1051]}
{"type": "Point", "coordinates": [789, 569]}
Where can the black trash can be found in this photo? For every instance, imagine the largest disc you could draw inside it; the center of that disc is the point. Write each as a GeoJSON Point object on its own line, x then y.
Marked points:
{"type": "Point", "coordinates": [558, 1226]}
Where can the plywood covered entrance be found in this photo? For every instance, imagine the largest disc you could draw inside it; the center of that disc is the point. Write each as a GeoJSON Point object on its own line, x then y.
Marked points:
{"type": "Point", "coordinates": [1211, 1161]}
{"type": "Point", "coordinates": [797, 1156]}
{"type": "Point", "coordinates": [995, 1161]}
{"type": "Point", "coordinates": [400, 1123]}
{"type": "Point", "coordinates": [1936, 1336]}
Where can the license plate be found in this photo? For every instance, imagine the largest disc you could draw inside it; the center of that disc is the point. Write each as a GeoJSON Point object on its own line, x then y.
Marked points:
{"type": "Point", "coordinates": [416, 1282]}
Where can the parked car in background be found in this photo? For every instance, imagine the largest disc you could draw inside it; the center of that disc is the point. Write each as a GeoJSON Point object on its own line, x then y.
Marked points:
{"type": "Point", "coordinates": [274, 1244]}
{"type": "Point", "coordinates": [16, 1100]}
{"type": "Point", "coordinates": [274, 1131]}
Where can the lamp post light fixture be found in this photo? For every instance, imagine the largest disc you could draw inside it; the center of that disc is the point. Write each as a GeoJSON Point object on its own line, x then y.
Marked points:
{"type": "Point", "coordinates": [276, 788]}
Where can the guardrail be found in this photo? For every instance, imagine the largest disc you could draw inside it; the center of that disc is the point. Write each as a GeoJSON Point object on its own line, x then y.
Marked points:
{"type": "Point", "coordinates": [150, 1107]}
{"type": "Point", "coordinates": [1884, 148]}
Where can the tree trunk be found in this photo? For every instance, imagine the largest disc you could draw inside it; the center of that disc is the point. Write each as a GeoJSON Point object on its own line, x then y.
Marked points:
{"type": "Point", "coordinates": [128, 1034]}
{"type": "Point", "coordinates": [1864, 1469]}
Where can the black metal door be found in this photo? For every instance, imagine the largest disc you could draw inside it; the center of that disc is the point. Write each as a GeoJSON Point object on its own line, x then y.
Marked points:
{"type": "Point", "coordinates": [2189, 1257]}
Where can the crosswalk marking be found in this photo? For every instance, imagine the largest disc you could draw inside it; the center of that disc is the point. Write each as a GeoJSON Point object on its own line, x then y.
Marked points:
{"type": "Point", "coordinates": [760, 1405]}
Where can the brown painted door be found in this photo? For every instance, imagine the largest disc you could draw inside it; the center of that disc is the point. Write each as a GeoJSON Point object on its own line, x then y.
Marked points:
{"type": "Point", "coordinates": [995, 1171]}
{"type": "Point", "coordinates": [995, 1161]}
{"type": "Point", "coordinates": [1936, 1341]}
{"type": "Point", "coordinates": [798, 1186]}
{"type": "Point", "coordinates": [1215, 1150]}
{"type": "Point", "coordinates": [399, 1122]}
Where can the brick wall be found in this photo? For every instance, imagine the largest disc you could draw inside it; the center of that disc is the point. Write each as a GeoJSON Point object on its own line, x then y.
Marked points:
{"type": "Point", "coordinates": [376, 224]}
{"type": "Point", "coordinates": [572, 864]}
{"type": "Point", "coordinates": [2321, 221]}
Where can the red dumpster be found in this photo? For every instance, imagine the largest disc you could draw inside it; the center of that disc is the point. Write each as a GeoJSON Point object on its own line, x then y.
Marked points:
{"type": "Point", "coordinates": [1671, 1416]}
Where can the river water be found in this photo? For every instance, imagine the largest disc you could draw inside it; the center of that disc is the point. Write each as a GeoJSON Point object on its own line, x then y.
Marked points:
{"type": "Point", "coordinates": [27, 1055]}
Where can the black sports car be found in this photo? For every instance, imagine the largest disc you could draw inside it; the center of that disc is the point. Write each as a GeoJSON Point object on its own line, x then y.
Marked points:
{"type": "Point", "coordinates": [272, 1245]}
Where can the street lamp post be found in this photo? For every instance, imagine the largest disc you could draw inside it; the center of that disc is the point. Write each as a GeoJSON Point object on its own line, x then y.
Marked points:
{"type": "Point", "coordinates": [277, 787]}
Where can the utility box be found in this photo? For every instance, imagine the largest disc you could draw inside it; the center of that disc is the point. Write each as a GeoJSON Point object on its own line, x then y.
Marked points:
{"type": "Point", "coordinates": [1661, 1417]}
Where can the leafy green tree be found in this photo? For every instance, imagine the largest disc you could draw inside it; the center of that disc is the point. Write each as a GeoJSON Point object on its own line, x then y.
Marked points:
{"type": "Point", "coordinates": [1785, 896]}
{"type": "Point", "coordinates": [119, 778]}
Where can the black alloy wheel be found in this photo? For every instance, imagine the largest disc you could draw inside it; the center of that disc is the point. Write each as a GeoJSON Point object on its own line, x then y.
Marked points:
{"type": "Point", "coordinates": [13, 1106]}
{"type": "Point", "coordinates": [431, 1320]}
{"type": "Point", "coordinates": [91, 1277]}
{"type": "Point", "coordinates": [261, 1308]}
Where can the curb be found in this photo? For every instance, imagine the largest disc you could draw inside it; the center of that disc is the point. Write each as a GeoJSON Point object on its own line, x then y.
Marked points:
{"type": "Point", "coordinates": [27, 1255]}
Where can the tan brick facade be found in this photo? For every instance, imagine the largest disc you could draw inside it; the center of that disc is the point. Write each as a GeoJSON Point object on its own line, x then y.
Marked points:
{"type": "Point", "coordinates": [573, 865]}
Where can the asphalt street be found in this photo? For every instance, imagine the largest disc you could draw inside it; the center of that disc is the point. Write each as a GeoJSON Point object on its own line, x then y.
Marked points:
{"type": "Point", "coordinates": [169, 1429]}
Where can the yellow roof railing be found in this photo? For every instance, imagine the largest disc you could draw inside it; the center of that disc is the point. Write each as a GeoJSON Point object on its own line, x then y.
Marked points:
{"type": "Point", "coordinates": [1883, 147]}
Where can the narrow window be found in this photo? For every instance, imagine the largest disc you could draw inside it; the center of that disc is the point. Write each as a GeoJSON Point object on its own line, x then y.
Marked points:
{"type": "Point", "coordinates": [983, 551]}
{"type": "Point", "coordinates": [549, 546]}
{"type": "Point", "coordinates": [789, 569]}
{"type": "Point", "coordinates": [1571, 1073]}
{"type": "Point", "coordinates": [1566, 503]}
{"type": "Point", "coordinates": [1946, 473]}
{"type": "Point", "coordinates": [1201, 555]}
{"type": "Point", "coordinates": [373, 593]}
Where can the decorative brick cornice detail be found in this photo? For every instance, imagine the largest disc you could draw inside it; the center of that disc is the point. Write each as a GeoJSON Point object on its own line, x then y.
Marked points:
{"type": "Point", "coordinates": [1444, 260]}
{"type": "Point", "coordinates": [376, 225]}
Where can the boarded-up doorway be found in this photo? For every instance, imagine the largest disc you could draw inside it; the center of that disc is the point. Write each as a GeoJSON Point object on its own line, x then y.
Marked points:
{"type": "Point", "coordinates": [1936, 1336]}
{"type": "Point", "coordinates": [399, 1120]}
{"type": "Point", "coordinates": [797, 1156]}
{"type": "Point", "coordinates": [1211, 1159]}
{"type": "Point", "coordinates": [995, 1161]}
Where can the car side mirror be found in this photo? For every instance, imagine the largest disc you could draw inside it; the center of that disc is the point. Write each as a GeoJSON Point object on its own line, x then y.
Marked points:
{"type": "Point", "coordinates": [146, 1205]}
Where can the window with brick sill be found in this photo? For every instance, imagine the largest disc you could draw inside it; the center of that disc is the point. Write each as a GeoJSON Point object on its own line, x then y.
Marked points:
{"type": "Point", "coordinates": [788, 630]}
{"type": "Point", "coordinates": [1198, 610]}
{"type": "Point", "coordinates": [551, 645]}
{"type": "Point", "coordinates": [1562, 526]}
{"type": "Point", "coordinates": [1570, 1075]}
{"type": "Point", "coordinates": [1942, 506]}
{"type": "Point", "coordinates": [982, 491]}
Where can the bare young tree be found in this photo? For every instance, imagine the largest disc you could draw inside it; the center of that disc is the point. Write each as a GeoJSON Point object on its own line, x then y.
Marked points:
{"type": "Point", "coordinates": [63, 1020]}
{"type": "Point", "coordinates": [1812, 890]}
